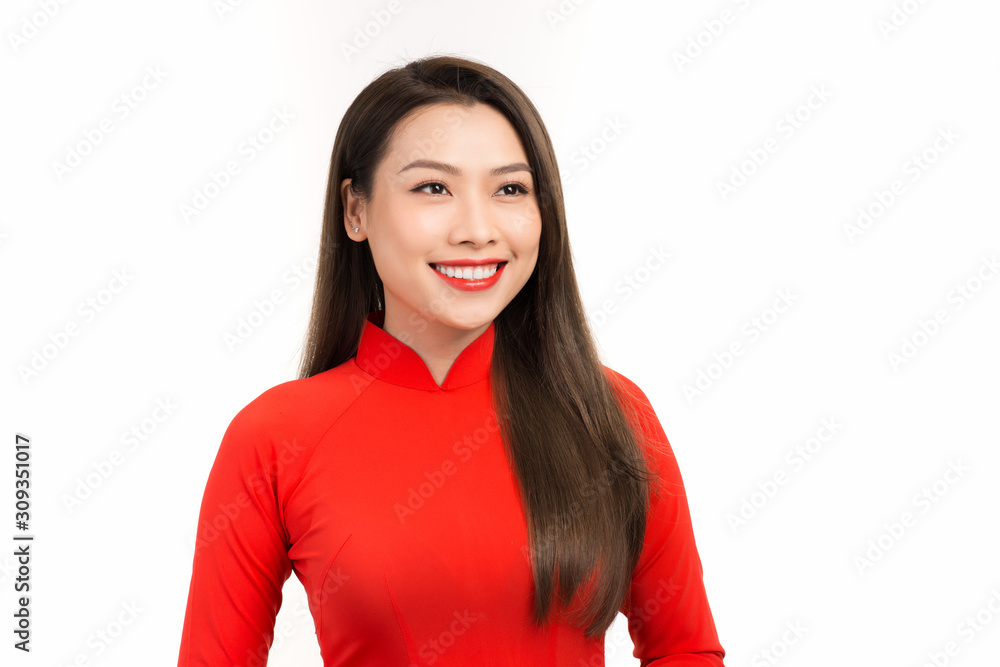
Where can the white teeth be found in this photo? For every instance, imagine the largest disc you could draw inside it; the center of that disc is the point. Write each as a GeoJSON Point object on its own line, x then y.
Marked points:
{"type": "Point", "coordinates": [468, 272]}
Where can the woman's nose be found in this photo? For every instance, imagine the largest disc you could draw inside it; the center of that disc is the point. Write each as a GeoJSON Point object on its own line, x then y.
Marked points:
{"type": "Point", "coordinates": [475, 222]}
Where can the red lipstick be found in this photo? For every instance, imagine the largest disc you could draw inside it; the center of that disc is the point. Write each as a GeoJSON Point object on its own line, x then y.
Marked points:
{"type": "Point", "coordinates": [471, 285]}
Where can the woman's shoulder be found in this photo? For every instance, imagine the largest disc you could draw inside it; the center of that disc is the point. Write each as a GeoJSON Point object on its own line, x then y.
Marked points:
{"type": "Point", "coordinates": [302, 405]}
{"type": "Point", "coordinates": [627, 389]}
{"type": "Point", "coordinates": [639, 411]}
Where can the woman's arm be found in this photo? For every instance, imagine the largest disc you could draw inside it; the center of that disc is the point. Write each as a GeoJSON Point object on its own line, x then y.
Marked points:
{"type": "Point", "coordinates": [670, 621]}
{"type": "Point", "coordinates": [241, 553]}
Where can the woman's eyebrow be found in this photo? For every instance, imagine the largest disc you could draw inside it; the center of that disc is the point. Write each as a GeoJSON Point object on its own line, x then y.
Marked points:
{"type": "Point", "coordinates": [455, 171]}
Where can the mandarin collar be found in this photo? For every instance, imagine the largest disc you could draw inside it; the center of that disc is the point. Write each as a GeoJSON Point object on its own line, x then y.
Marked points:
{"type": "Point", "coordinates": [387, 358]}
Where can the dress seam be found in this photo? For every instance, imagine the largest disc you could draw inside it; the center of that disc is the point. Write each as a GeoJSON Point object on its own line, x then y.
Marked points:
{"type": "Point", "coordinates": [322, 583]}
{"type": "Point", "coordinates": [305, 466]}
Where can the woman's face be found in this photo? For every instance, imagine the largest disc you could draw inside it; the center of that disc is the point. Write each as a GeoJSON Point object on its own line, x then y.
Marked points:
{"type": "Point", "coordinates": [454, 189]}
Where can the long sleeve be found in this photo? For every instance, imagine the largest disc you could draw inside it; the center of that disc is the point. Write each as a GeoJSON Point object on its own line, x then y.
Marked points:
{"type": "Point", "coordinates": [241, 553]}
{"type": "Point", "coordinates": [669, 618]}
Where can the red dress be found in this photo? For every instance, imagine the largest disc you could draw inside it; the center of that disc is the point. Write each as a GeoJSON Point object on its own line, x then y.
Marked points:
{"type": "Point", "coordinates": [391, 499]}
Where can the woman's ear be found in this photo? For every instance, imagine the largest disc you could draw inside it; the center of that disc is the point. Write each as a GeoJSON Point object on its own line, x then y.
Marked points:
{"type": "Point", "coordinates": [354, 212]}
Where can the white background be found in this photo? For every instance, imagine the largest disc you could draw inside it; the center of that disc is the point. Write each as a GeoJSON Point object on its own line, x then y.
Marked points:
{"type": "Point", "coordinates": [663, 134]}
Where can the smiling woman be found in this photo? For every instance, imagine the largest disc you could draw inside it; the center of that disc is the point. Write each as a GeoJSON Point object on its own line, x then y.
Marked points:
{"type": "Point", "coordinates": [453, 239]}
{"type": "Point", "coordinates": [455, 478]}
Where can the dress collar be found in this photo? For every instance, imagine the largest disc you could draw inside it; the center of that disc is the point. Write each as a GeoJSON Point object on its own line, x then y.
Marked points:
{"type": "Point", "coordinates": [384, 356]}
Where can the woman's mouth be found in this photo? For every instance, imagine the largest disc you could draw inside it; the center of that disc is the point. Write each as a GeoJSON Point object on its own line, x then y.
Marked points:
{"type": "Point", "coordinates": [469, 278]}
{"type": "Point", "coordinates": [468, 272]}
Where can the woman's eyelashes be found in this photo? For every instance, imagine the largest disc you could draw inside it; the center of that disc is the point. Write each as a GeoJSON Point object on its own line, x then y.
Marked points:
{"type": "Point", "coordinates": [518, 188]}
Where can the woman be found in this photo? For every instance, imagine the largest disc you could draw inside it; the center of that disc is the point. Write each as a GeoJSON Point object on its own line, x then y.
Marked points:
{"type": "Point", "coordinates": [454, 478]}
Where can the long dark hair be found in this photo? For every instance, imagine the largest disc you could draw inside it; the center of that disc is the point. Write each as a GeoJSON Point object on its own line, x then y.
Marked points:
{"type": "Point", "coordinates": [565, 424]}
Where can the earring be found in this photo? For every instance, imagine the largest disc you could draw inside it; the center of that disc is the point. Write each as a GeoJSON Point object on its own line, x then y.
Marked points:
{"type": "Point", "coordinates": [356, 229]}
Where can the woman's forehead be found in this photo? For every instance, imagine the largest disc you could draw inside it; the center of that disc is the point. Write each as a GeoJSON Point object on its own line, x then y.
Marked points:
{"type": "Point", "coordinates": [454, 139]}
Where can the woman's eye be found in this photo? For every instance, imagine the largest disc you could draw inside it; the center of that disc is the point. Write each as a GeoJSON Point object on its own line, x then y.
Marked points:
{"type": "Point", "coordinates": [508, 189]}
{"type": "Point", "coordinates": [428, 185]}
{"type": "Point", "coordinates": [515, 188]}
